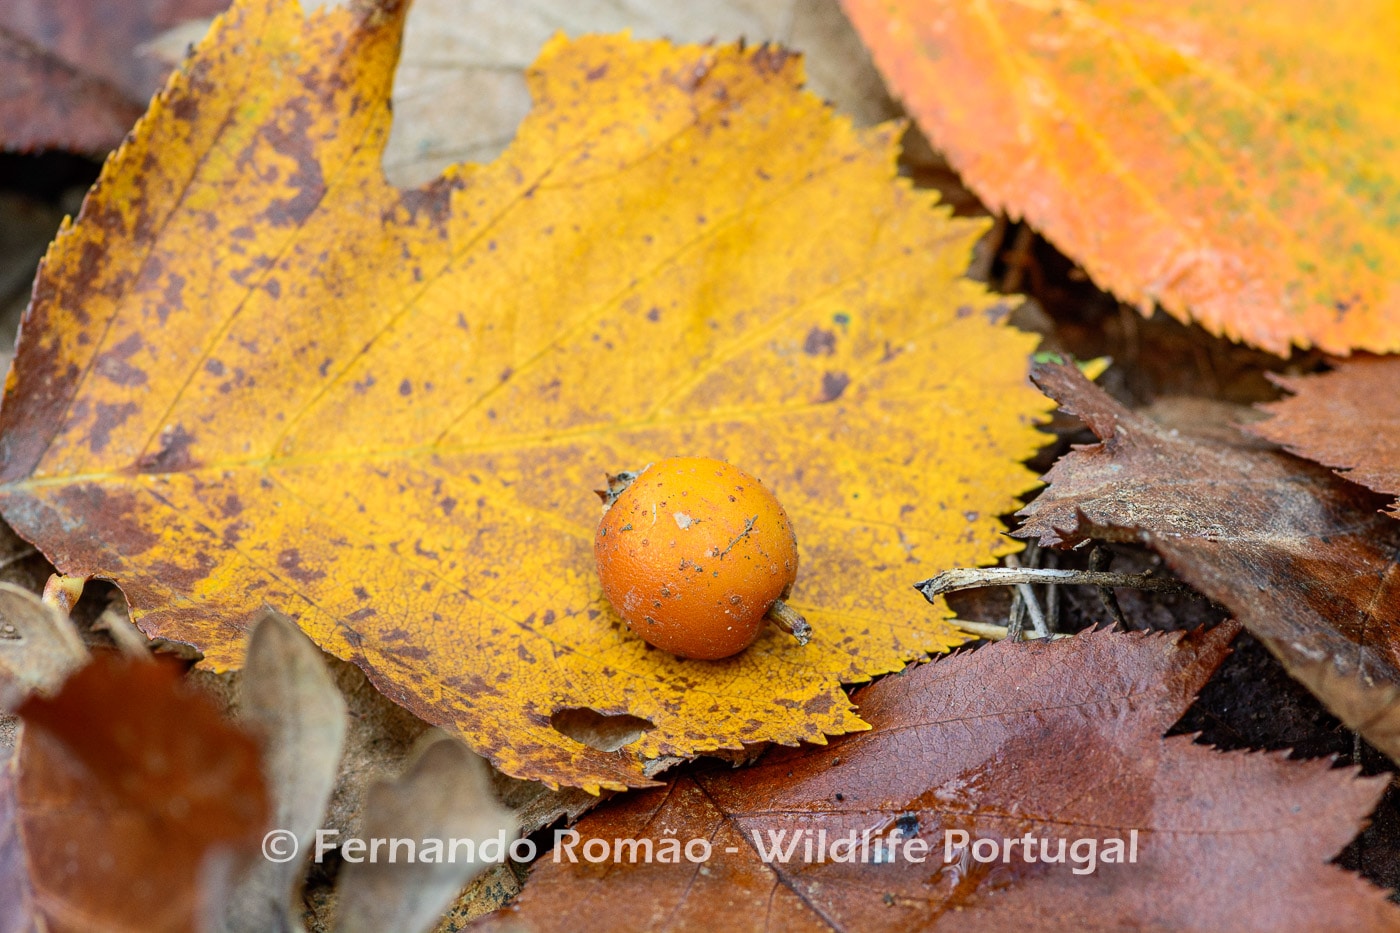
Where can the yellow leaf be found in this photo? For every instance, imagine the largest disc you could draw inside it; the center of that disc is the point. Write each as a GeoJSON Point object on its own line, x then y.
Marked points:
{"type": "Point", "coordinates": [255, 373]}
{"type": "Point", "coordinates": [1238, 164]}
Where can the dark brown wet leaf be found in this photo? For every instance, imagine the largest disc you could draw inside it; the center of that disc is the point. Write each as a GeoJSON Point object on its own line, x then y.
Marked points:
{"type": "Point", "coordinates": [1060, 740]}
{"type": "Point", "coordinates": [1303, 558]}
{"type": "Point", "coordinates": [1348, 419]}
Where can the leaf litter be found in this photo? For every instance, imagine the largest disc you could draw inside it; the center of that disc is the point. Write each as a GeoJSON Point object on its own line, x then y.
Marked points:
{"type": "Point", "coordinates": [397, 744]}
{"type": "Point", "coordinates": [1302, 557]}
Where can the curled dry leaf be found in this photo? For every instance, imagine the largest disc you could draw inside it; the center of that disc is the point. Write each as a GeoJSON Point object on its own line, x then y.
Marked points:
{"type": "Point", "coordinates": [127, 788]}
{"type": "Point", "coordinates": [1238, 165]}
{"type": "Point", "coordinates": [1348, 419]}
{"type": "Point", "coordinates": [445, 795]}
{"type": "Point", "coordinates": [1059, 740]}
{"type": "Point", "coordinates": [1304, 559]}
{"type": "Point", "coordinates": [287, 699]}
{"type": "Point", "coordinates": [39, 647]}
{"type": "Point", "coordinates": [290, 700]}
{"type": "Point", "coordinates": [273, 378]}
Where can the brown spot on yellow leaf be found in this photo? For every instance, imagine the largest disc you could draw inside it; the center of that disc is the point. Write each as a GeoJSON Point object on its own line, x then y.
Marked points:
{"type": "Point", "coordinates": [819, 341]}
{"type": "Point", "coordinates": [833, 384]}
{"type": "Point", "coordinates": [172, 454]}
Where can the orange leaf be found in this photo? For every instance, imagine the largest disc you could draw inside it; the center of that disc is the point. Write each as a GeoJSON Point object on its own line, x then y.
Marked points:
{"type": "Point", "coordinates": [1238, 165]}
{"type": "Point", "coordinates": [255, 373]}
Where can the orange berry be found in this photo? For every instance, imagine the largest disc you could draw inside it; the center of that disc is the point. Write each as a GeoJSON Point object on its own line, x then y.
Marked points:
{"type": "Point", "coordinates": [693, 553]}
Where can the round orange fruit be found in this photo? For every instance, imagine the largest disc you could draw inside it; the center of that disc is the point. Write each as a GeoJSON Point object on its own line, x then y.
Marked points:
{"type": "Point", "coordinates": [693, 553]}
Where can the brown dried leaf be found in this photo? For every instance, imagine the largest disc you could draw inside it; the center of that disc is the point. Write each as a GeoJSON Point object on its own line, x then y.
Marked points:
{"type": "Point", "coordinates": [1348, 419]}
{"type": "Point", "coordinates": [127, 785]}
{"type": "Point", "coordinates": [71, 74]}
{"type": "Point", "coordinates": [1062, 740]}
{"type": "Point", "coordinates": [1301, 557]}
{"type": "Point", "coordinates": [45, 103]}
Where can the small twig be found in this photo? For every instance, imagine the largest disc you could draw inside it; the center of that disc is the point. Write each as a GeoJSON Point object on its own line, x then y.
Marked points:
{"type": "Point", "coordinates": [970, 578]}
{"type": "Point", "coordinates": [1099, 560]}
{"type": "Point", "coordinates": [1035, 556]}
{"type": "Point", "coordinates": [790, 620]}
{"type": "Point", "coordinates": [748, 527]}
{"type": "Point", "coordinates": [1016, 618]}
{"type": "Point", "coordinates": [991, 632]}
{"type": "Point", "coordinates": [1029, 601]}
{"type": "Point", "coordinates": [1052, 607]}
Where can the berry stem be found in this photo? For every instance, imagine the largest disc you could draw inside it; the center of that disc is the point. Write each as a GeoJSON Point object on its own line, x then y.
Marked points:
{"type": "Point", "coordinates": [790, 620]}
{"type": "Point", "coordinates": [617, 485]}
